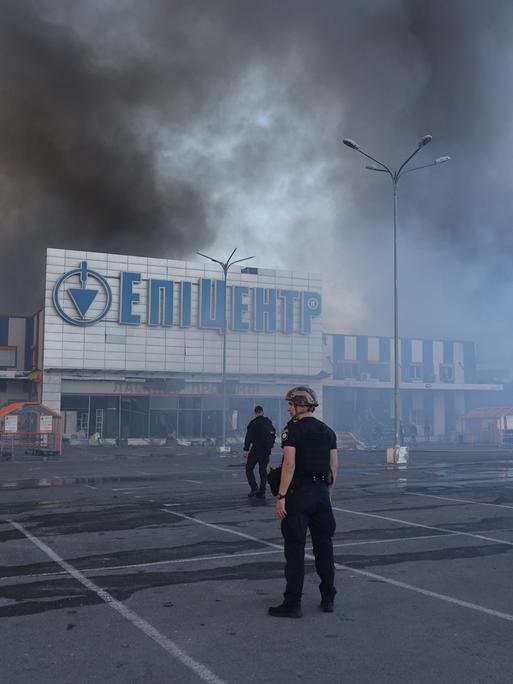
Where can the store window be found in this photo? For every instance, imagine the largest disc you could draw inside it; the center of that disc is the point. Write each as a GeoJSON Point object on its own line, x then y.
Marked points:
{"type": "Point", "coordinates": [104, 416]}
{"type": "Point", "coordinates": [113, 416]}
{"type": "Point", "coordinates": [347, 370]}
{"type": "Point", "coordinates": [8, 357]}
{"type": "Point", "coordinates": [379, 370]}
{"type": "Point", "coordinates": [135, 415]}
{"type": "Point", "coordinates": [212, 416]}
{"type": "Point", "coordinates": [163, 423]}
{"type": "Point", "coordinates": [75, 409]}
{"type": "Point", "coordinates": [163, 416]}
{"type": "Point", "coordinates": [446, 372]}
{"type": "Point", "coordinates": [416, 370]}
{"type": "Point", "coordinates": [189, 423]}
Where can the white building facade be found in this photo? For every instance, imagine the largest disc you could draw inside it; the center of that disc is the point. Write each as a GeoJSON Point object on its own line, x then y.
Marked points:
{"type": "Point", "coordinates": [437, 384]}
{"type": "Point", "coordinates": [133, 345]}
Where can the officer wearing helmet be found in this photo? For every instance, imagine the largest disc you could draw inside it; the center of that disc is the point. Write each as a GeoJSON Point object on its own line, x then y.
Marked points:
{"type": "Point", "coordinates": [309, 469]}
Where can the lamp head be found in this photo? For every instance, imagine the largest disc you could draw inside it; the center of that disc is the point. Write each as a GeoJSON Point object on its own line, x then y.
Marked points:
{"type": "Point", "coordinates": [351, 143]}
{"type": "Point", "coordinates": [442, 160]}
{"type": "Point", "coordinates": [425, 140]}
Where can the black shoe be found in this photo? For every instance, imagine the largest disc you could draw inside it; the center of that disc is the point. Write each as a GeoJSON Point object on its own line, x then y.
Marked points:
{"type": "Point", "coordinates": [327, 606]}
{"type": "Point", "coordinates": [260, 495]}
{"type": "Point", "coordinates": [253, 492]}
{"type": "Point", "coordinates": [286, 610]}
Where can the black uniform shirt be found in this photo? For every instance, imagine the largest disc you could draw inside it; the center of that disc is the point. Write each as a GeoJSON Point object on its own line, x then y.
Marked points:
{"type": "Point", "coordinates": [294, 430]}
{"type": "Point", "coordinates": [313, 440]}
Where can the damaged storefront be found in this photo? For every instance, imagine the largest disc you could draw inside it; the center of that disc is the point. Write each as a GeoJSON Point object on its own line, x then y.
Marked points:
{"type": "Point", "coordinates": [133, 346]}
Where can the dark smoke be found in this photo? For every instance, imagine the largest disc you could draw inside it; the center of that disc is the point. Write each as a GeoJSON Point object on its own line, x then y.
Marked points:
{"type": "Point", "coordinates": [163, 127]}
{"type": "Point", "coordinates": [78, 165]}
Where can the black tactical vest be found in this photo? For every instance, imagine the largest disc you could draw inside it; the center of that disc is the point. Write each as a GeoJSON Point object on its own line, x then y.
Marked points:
{"type": "Point", "coordinates": [313, 446]}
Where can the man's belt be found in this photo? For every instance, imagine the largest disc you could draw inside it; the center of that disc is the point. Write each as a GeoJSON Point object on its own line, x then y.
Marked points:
{"type": "Point", "coordinates": [314, 478]}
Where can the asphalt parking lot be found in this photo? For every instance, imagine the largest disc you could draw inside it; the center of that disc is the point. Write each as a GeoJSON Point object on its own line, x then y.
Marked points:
{"type": "Point", "coordinates": [151, 565]}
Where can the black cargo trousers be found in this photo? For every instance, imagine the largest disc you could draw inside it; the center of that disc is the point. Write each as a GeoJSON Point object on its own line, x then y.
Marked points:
{"type": "Point", "coordinates": [308, 506]}
{"type": "Point", "coordinates": [260, 456]}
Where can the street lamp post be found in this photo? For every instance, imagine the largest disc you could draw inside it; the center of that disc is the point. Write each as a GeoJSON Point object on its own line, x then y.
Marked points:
{"type": "Point", "coordinates": [225, 266]}
{"type": "Point", "coordinates": [395, 175]}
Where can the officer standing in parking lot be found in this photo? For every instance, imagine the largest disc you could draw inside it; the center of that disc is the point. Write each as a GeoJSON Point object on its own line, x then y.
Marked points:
{"type": "Point", "coordinates": [258, 443]}
{"type": "Point", "coordinates": [308, 474]}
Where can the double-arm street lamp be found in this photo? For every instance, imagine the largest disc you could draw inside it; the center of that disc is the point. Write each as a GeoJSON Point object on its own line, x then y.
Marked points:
{"type": "Point", "coordinates": [225, 265]}
{"type": "Point", "coordinates": [395, 175]}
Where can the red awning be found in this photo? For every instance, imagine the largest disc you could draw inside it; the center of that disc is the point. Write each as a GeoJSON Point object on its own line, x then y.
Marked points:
{"type": "Point", "coordinates": [21, 405]}
{"type": "Point", "coordinates": [488, 412]}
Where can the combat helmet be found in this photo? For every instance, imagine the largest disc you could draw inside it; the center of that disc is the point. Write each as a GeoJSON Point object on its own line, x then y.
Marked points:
{"type": "Point", "coordinates": [302, 396]}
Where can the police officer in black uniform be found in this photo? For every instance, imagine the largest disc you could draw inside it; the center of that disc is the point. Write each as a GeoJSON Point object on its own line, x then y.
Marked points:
{"type": "Point", "coordinates": [308, 474]}
{"type": "Point", "coordinates": [259, 441]}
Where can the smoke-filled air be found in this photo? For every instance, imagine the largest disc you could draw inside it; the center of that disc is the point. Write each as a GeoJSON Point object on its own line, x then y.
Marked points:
{"type": "Point", "coordinates": [163, 127]}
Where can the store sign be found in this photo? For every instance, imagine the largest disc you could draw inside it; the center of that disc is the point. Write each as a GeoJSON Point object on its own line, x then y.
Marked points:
{"type": "Point", "coordinates": [11, 424]}
{"type": "Point", "coordinates": [45, 423]}
{"type": "Point", "coordinates": [91, 286]}
{"type": "Point", "coordinates": [83, 297]}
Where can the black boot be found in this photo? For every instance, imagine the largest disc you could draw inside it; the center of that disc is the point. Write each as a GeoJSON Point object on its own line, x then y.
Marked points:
{"type": "Point", "coordinates": [327, 606]}
{"type": "Point", "coordinates": [286, 610]}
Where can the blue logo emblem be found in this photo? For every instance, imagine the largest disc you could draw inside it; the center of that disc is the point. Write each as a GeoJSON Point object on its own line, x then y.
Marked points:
{"type": "Point", "coordinates": [72, 303]}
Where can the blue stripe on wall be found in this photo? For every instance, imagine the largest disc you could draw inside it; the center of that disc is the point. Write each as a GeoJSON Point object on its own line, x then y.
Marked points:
{"type": "Point", "coordinates": [469, 362]}
{"type": "Point", "coordinates": [405, 359]}
{"type": "Point", "coordinates": [339, 348]}
{"type": "Point", "coordinates": [4, 330]}
{"type": "Point", "coordinates": [427, 360]}
{"type": "Point", "coordinates": [384, 349]}
{"type": "Point", "coordinates": [448, 352]}
{"type": "Point", "coordinates": [362, 348]}
{"type": "Point", "coordinates": [29, 336]}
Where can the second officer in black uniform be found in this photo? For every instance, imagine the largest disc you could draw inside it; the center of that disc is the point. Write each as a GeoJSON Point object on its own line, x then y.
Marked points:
{"type": "Point", "coordinates": [258, 443]}
{"type": "Point", "coordinates": [308, 474]}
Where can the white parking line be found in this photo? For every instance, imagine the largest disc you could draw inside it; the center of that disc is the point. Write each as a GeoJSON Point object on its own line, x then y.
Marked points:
{"type": "Point", "coordinates": [394, 540]}
{"type": "Point", "coordinates": [451, 498]}
{"type": "Point", "coordinates": [371, 575]}
{"type": "Point", "coordinates": [152, 564]}
{"type": "Point", "coordinates": [131, 489]}
{"type": "Point", "coordinates": [223, 529]}
{"type": "Point", "coordinates": [426, 527]}
{"type": "Point", "coordinates": [203, 672]}
{"type": "Point", "coordinates": [221, 556]}
{"type": "Point", "coordinates": [219, 485]}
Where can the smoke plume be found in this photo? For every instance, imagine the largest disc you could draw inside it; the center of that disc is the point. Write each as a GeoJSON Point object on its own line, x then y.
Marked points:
{"type": "Point", "coordinates": [166, 127]}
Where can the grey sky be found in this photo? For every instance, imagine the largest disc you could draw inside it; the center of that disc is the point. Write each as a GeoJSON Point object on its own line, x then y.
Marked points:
{"type": "Point", "coordinates": [164, 127]}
